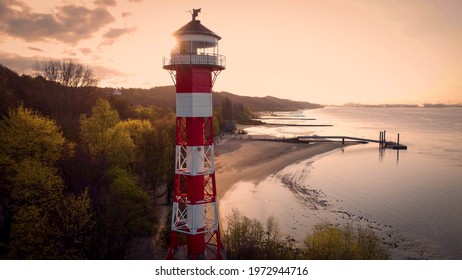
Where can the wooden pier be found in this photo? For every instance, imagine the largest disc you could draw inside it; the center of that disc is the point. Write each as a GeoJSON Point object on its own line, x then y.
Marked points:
{"type": "Point", "coordinates": [282, 118]}
{"type": "Point", "coordinates": [291, 124]}
{"type": "Point", "coordinates": [382, 141]}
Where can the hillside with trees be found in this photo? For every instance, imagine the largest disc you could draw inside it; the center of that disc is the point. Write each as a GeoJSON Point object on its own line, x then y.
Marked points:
{"type": "Point", "coordinates": [165, 97]}
{"type": "Point", "coordinates": [83, 171]}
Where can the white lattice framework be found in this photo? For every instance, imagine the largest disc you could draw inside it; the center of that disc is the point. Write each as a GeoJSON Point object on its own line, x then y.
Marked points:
{"type": "Point", "coordinates": [195, 219]}
{"type": "Point", "coordinates": [194, 160]}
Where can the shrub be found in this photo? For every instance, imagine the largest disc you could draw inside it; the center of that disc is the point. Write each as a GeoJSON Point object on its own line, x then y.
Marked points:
{"type": "Point", "coordinates": [332, 243]}
{"type": "Point", "coordinates": [246, 238]}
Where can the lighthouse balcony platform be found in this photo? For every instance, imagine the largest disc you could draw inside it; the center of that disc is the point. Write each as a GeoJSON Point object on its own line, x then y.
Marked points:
{"type": "Point", "coordinates": [215, 61]}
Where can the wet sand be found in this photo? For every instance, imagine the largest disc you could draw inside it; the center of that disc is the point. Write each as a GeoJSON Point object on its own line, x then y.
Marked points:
{"type": "Point", "coordinates": [249, 160]}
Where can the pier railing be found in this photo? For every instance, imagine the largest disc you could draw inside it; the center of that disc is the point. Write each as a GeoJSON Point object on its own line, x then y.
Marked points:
{"type": "Point", "coordinates": [382, 140]}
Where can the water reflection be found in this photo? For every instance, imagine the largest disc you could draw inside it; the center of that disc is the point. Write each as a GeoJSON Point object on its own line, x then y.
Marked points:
{"type": "Point", "coordinates": [418, 191]}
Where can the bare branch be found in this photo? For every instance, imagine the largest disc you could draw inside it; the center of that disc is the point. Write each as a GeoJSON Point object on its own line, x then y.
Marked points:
{"type": "Point", "coordinates": [66, 72]}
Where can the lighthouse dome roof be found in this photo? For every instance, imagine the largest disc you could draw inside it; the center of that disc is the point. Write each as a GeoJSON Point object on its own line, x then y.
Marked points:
{"type": "Point", "coordinates": [195, 27]}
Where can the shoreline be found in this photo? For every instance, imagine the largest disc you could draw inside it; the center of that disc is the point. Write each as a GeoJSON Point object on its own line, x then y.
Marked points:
{"type": "Point", "coordinates": [250, 160]}
{"type": "Point", "coordinates": [246, 174]}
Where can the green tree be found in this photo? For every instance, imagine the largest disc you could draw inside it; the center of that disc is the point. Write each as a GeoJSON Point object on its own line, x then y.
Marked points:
{"type": "Point", "coordinates": [126, 213]}
{"type": "Point", "coordinates": [94, 129]}
{"type": "Point", "coordinates": [105, 137]}
{"type": "Point", "coordinates": [29, 147]}
{"type": "Point", "coordinates": [42, 222]}
{"type": "Point", "coordinates": [137, 129]}
{"type": "Point", "coordinates": [227, 109]}
{"type": "Point", "coordinates": [36, 184]}
{"type": "Point", "coordinates": [76, 222]}
{"type": "Point", "coordinates": [36, 192]}
{"type": "Point", "coordinates": [120, 150]}
{"type": "Point", "coordinates": [332, 243]}
{"type": "Point", "coordinates": [246, 238]}
{"type": "Point", "coordinates": [163, 157]}
{"type": "Point", "coordinates": [33, 235]}
{"type": "Point", "coordinates": [27, 135]}
{"type": "Point", "coordinates": [216, 126]}
{"type": "Point", "coordinates": [60, 230]}
{"type": "Point", "coordinates": [141, 133]}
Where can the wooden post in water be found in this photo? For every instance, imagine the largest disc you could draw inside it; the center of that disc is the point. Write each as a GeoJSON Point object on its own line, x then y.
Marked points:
{"type": "Point", "coordinates": [343, 141]}
{"type": "Point", "coordinates": [398, 141]}
{"type": "Point", "coordinates": [381, 140]}
{"type": "Point", "coordinates": [384, 136]}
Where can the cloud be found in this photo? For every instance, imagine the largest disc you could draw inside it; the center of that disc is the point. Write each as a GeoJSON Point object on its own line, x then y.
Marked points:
{"type": "Point", "coordinates": [105, 2]}
{"type": "Point", "coordinates": [126, 14]}
{"type": "Point", "coordinates": [35, 49]}
{"type": "Point", "coordinates": [135, 1]}
{"type": "Point", "coordinates": [86, 51]}
{"type": "Point", "coordinates": [70, 52]}
{"type": "Point", "coordinates": [114, 33]}
{"type": "Point", "coordinates": [24, 65]}
{"type": "Point", "coordinates": [105, 73]}
{"type": "Point", "coordinates": [17, 63]}
{"type": "Point", "coordinates": [67, 24]}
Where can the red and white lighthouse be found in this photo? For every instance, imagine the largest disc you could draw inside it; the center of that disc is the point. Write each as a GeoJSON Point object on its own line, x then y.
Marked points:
{"type": "Point", "coordinates": [194, 64]}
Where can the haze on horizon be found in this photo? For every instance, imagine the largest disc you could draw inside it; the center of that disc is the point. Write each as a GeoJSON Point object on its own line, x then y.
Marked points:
{"type": "Point", "coordinates": [322, 51]}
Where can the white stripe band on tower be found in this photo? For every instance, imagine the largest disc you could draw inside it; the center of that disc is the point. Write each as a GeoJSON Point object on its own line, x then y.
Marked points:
{"type": "Point", "coordinates": [195, 104]}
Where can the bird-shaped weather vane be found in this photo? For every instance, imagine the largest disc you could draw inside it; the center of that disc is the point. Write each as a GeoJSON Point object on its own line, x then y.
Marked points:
{"type": "Point", "coordinates": [194, 13]}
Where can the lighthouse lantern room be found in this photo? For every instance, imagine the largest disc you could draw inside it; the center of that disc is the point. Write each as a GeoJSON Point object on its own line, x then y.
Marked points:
{"type": "Point", "coordinates": [194, 64]}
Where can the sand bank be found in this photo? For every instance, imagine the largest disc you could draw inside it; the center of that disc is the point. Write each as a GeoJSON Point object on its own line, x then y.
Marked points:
{"type": "Point", "coordinates": [249, 160]}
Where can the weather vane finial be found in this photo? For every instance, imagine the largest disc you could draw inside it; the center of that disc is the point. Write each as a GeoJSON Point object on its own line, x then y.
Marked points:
{"type": "Point", "coordinates": [195, 13]}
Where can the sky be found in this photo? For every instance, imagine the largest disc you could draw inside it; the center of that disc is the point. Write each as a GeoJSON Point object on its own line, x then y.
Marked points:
{"type": "Point", "coordinates": [322, 51]}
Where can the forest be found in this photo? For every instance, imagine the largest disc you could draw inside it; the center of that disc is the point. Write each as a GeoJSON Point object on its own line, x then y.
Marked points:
{"type": "Point", "coordinates": [82, 170]}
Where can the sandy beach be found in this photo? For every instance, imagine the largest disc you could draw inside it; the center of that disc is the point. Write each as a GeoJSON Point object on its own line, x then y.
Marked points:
{"type": "Point", "coordinates": [250, 160]}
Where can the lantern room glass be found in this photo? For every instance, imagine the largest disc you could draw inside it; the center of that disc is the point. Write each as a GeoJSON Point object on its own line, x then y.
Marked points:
{"type": "Point", "coordinates": [196, 47]}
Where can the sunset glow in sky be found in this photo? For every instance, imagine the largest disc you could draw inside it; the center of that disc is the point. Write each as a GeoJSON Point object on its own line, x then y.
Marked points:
{"type": "Point", "coordinates": [323, 51]}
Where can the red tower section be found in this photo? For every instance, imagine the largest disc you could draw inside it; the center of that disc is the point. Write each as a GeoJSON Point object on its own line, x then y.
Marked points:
{"type": "Point", "coordinates": [194, 65]}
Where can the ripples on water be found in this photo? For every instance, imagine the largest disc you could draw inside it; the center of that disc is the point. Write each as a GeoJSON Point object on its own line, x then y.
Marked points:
{"type": "Point", "coordinates": [417, 192]}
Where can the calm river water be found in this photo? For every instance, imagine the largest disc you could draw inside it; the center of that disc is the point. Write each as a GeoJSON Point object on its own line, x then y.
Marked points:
{"type": "Point", "coordinates": [417, 192]}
